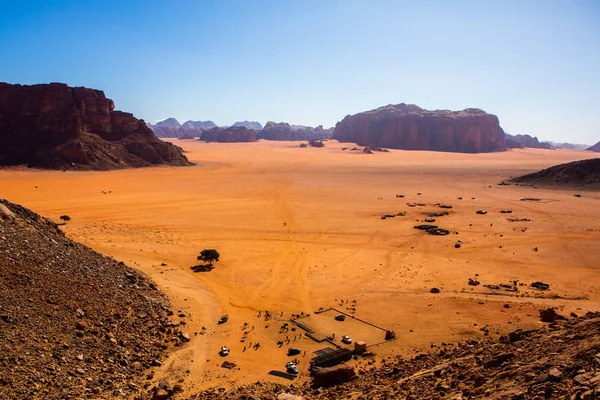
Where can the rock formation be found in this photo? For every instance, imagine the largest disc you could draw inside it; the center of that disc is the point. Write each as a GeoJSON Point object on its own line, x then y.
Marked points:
{"type": "Point", "coordinates": [578, 174]}
{"type": "Point", "coordinates": [61, 127]}
{"type": "Point", "coordinates": [595, 148]}
{"type": "Point", "coordinates": [249, 124]}
{"type": "Point", "coordinates": [285, 131]}
{"type": "Point", "coordinates": [520, 141]}
{"type": "Point", "coordinates": [409, 127]}
{"type": "Point", "coordinates": [170, 128]}
{"type": "Point", "coordinates": [229, 135]}
{"type": "Point", "coordinates": [73, 323]}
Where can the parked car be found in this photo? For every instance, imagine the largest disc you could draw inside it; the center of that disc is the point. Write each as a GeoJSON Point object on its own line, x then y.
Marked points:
{"type": "Point", "coordinates": [224, 351]}
{"type": "Point", "coordinates": [291, 368]}
{"type": "Point", "coordinates": [346, 339]}
{"type": "Point", "coordinates": [340, 317]}
{"type": "Point", "coordinates": [223, 319]}
{"type": "Point", "coordinates": [293, 351]}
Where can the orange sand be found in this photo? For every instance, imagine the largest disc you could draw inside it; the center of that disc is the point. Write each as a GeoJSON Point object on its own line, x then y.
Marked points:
{"type": "Point", "coordinates": [299, 229]}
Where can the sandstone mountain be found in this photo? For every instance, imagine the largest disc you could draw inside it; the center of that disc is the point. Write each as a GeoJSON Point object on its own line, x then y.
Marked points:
{"type": "Point", "coordinates": [73, 323]}
{"type": "Point", "coordinates": [409, 127]}
{"type": "Point", "coordinates": [229, 135]}
{"type": "Point", "coordinates": [203, 125]}
{"type": "Point", "coordinates": [583, 174]}
{"type": "Point", "coordinates": [61, 127]}
{"type": "Point", "coordinates": [257, 126]}
{"type": "Point", "coordinates": [285, 131]}
{"type": "Point", "coordinates": [520, 141]}
{"type": "Point", "coordinates": [169, 123]}
{"type": "Point", "coordinates": [595, 148]}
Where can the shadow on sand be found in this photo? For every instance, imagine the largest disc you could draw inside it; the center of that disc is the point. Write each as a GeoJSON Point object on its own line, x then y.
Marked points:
{"type": "Point", "coordinates": [202, 268]}
{"type": "Point", "coordinates": [282, 374]}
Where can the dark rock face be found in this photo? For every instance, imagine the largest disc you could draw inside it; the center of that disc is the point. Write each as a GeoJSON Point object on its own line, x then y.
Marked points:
{"type": "Point", "coordinates": [520, 141]}
{"type": "Point", "coordinates": [257, 126]}
{"type": "Point", "coordinates": [61, 127]}
{"type": "Point", "coordinates": [285, 131]}
{"type": "Point", "coordinates": [595, 148]}
{"type": "Point", "coordinates": [326, 377]}
{"type": "Point", "coordinates": [229, 135]}
{"type": "Point", "coordinates": [578, 174]}
{"type": "Point", "coordinates": [409, 127]}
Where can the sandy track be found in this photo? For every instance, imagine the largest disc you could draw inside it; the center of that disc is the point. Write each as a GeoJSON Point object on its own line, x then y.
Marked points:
{"type": "Point", "coordinates": [300, 229]}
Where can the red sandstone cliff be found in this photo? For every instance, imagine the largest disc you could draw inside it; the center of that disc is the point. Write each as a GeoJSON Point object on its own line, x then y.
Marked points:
{"type": "Point", "coordinates": [57, 126]}
{"type": "Point", "coordinates": [409, 127]}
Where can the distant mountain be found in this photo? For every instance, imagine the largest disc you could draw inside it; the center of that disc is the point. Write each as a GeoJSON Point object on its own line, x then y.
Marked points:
{"type": "Point", "coordinates": [569, 146]}
{"type": "Point", "coordinates": [169, 123]}
{"type": "Point", "coordinates": [595, 148]}
{"type": "Point", "coordinates": [285, 131]}
{"type": "Point", "coordinates": [203, 125]}
{"type": "Point", "coordinates": [519, 141]}
{"type": "Point", "coordinates": [170, 128]}
{"type": "Point", "coordinates": [229, 135]}
{"type": "Point", "coordinates": [249, 124]}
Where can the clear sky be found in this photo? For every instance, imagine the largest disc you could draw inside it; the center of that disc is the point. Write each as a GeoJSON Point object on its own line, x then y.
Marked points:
{"type": "Point", "coordinates": [535, 64]}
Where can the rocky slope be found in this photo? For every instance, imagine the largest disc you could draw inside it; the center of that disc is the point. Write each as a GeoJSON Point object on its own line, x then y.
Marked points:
{"type": "Point", "coordinates": [257, 126]}
{"type": "Point", "coordinates": [595, 148]}
{"type": "Point", "coordinates": [577, 174]}
{"type": "Point", "coordinates": [73, 323]}
{"type": "Point", "coordinates": [61, 127]}
{"type": "Point", "coordinates": [520, 141]}
{"type": "Point", "coordinates": [409, 127]}
{"type": "Point", "coordinates": [229, 135]}
{"type": "Point", "coordinates": [285, 131]}
{"type": "Point", "coordinates": [558, 361]}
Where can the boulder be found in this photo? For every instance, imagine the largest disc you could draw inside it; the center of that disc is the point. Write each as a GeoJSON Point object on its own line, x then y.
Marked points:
{"type": "Point", "coordinates": [326, 377]}
{"type": "Point", "coordinates": [409, 127]}
{"type": "Point", "coordinates": [61, 127]}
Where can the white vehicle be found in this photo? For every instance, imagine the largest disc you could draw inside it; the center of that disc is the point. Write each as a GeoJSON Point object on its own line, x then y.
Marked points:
{"type": "Point", "coordinates": [291, 368]}
{"type": "Point", "coordinates": [224, 351]}
{"type": "Point", "coordinates": [346, 339]}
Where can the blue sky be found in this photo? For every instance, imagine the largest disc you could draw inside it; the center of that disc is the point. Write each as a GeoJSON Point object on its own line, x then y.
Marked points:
{"type": "Point", "coordinates": [535, 64]}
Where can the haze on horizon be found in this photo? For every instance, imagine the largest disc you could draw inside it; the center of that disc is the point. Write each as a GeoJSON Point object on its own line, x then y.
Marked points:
{"type": "Point", "coordinates": [533, 64]}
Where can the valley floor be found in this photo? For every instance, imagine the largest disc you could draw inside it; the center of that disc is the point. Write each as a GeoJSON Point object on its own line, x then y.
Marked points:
{"type": "Point", "coordinates": [300, 228]}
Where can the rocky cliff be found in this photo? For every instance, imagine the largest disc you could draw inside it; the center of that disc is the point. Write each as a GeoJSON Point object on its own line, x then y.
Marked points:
{"type": "Point", "coordinates": [409, 127]}
{"type": "Point", "coordinates": [61, 127]}
{"type": "Point", "coordinates": [520, 141]}
{"type": "Point", "coordinates": [285, 131]}
{"type": "Point", "coordinates": [229, 135]}
{"type": "Point", "coordinates": [595, 148]}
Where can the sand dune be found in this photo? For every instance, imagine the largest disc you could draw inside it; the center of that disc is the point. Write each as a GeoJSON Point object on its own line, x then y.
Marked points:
{"type": "Point", "coordinates": [300, 228]}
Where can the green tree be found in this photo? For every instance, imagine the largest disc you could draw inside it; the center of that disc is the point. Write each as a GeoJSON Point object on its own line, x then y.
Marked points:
{"type": "Point", "coordinates": [65, 218]}
{"type": "Point", "coordinates": [209, 256]}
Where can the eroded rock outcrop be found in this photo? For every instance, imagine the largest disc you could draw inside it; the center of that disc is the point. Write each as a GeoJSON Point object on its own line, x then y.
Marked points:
{"type": "Point", "coordinates": [520, 141]}
{"type": "Point", "coordinates": [229, 135]}
{"type": "Point", "coordinates": [583, 174]}
{"type": "Point", "coordinates": [61, 127]}
{"type": "Point", "coordinates": [409, 127]}
{"type": "Point", "coordinates": [170, 128]}
{"type": "Point", "coordinates": [285, 131]}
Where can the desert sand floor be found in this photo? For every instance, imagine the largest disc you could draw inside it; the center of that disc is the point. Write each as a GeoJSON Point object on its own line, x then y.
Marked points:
{"type": "Point", "coordinates": [300, 228]}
